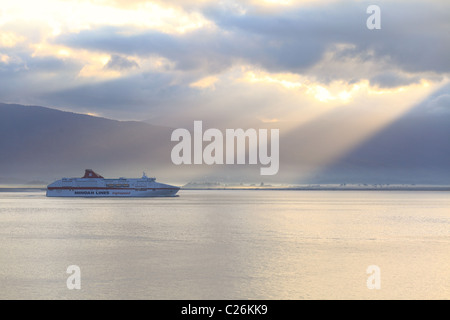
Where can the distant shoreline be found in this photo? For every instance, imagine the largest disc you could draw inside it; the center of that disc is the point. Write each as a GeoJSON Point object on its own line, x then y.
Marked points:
{"type": "Point", "coordinates": [435, 188]}
{"type": "Point", "coordinates": [21, 189]}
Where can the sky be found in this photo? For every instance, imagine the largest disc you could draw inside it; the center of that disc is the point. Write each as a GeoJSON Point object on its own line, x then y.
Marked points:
{"type": "Point", "coordinates": [284, 64]}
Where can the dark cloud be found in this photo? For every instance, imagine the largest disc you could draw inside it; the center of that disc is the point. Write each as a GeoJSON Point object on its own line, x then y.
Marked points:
{"type": "Point", "coordinates": [211, 51]}
{"type": "Point", "coordinates": [120, 63]}
{"type": "Point", "coordinates": [324, 43]}
{"type": "Point", "coordinates": [414, 34]}
{"type": "Point", "coordinates": [197, 50]}
{"type": "Point", "coordinates": [24, 78]}
{"type": "Point", "coordinates": [124, 98]}
{"type": "Point", "coordinates": [414, 38]}
{"type": "Point", "coordinates": [392, 79]}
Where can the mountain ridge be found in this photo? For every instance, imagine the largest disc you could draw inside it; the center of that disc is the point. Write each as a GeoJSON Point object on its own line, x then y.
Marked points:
{"type": "Point", "coordinates": [43, 144]}
{"type": "Point", "coordinates": [40, 142]}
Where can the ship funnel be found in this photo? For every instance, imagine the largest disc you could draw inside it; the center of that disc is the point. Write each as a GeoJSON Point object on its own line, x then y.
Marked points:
{"type": "Point", "coordinates": [89, 173]}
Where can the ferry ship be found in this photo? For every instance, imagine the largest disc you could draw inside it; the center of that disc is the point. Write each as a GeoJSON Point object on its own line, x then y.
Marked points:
{"type": "Point", "coordinates": [94, 185]}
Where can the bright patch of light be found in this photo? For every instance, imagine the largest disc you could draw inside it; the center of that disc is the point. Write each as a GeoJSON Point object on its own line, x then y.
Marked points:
{"type": "Point", "coordinates": [281, 2]}
{"type": "Point", "coordinates": [285, 80]}
{"type": "Point", "coordinates": [272, 120]}
{"type": "Point", "coordinates": [64, 52]}
{"type": "Point", "coordinates": [4, 58]}
{"type": "Point", "coordinates": [205, 83]}
{"type": "Point", "coordinates": [74, 16]}
{"type": "Point", "coordinates": [10, 39]}
{"type": "Point", "coordinates": [321, 93]}
{"type": "Point", "coordinates": [337, 91]}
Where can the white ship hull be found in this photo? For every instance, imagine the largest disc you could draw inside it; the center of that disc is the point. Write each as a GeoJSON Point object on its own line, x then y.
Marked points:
{"type": "Point", "coordinates": [93, 185]}
{"type": "Point", "coordinates": [91, 193]}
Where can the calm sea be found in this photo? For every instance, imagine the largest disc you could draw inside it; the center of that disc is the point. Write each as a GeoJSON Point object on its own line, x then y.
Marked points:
{"type": "Point", "coordinates": [228, 245]}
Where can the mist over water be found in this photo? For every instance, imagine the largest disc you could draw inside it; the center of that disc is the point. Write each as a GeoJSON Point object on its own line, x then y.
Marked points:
{"type": "Point", "coordinates": [233, 244]}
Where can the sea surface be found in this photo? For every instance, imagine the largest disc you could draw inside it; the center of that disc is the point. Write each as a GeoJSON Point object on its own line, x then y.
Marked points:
{"type": "Point", "coordinates": [228, 244]}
